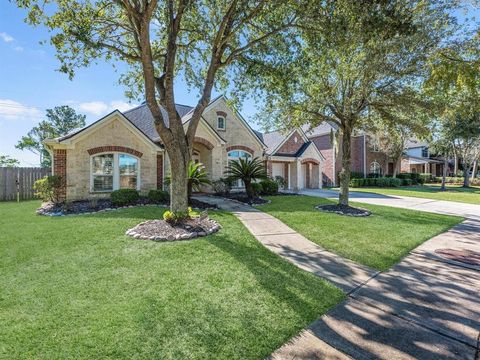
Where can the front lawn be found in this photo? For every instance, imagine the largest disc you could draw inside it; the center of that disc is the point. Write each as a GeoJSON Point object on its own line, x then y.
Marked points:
{"type": "Point", "coordinates": [77, 288]}
{"type": "Point", "coordinates": [454, 193]}
{"type": "Point", "coordinates": [379, 240]}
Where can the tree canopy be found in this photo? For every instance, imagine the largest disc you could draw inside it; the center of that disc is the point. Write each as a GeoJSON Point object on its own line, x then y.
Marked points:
{"type": "Point", "coordinates": [8, 161]}
{"type": "Point", "coordinates": [59, 121]}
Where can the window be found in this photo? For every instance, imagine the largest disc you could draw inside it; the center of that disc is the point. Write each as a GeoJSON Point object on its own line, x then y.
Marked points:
{"type": "Point", "coordinates": [220, 122]}
{"type": "Point", "coordinates": [235, 155]}
{"type": "Point", "coordinates": [375, 145]}
{"type": "Point", "coordinates": [114, 171]}
{"type": "Point", "coordinates": [425, 152]}
{"type": "Point", "coordinates": [375, 168]}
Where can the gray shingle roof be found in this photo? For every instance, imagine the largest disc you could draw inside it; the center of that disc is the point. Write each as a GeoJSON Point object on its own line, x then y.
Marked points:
{"type": "Point", "coordinates": [323, 128]}
{"type": "Point", "coordinates": [142, 118]}
{"type": "Point", "coordinates": [273, 139]}
{"type": "Point", "coordinates": [414, 143]}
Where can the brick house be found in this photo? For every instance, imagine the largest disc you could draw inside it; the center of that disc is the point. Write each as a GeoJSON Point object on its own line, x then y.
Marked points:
{"type": "Point", "coordinates": [124, 150]}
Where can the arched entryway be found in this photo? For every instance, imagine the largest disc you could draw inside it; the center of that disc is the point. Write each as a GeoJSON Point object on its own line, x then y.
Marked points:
{"type": "Point", "coordinates": [310, 174]}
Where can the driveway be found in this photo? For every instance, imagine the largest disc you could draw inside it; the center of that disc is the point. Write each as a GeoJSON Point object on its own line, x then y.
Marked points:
{"type": "Point", "coordinates": [425, 307]}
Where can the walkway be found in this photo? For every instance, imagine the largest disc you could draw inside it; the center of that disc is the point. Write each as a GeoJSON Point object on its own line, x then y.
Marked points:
{"type": "Point", "coordinates": [425, 307]}
{"type": "Point", "coordinates": [289, 244]}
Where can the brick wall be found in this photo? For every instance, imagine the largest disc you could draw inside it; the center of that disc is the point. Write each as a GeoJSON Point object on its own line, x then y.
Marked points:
{"type": "Point", "coordinates": [324, 144]}
{"type": "Point", "coordinates": [60, 169]}
{"type": "Point", "coordinates": [291, 146]}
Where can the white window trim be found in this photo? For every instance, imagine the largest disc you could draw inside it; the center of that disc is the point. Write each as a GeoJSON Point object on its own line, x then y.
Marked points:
{"type": "Point", "coordinates": [236, 158]}
{"type": "Point", "coordinates": [379, 167]}
{"type": "Point", "coordinates": [224, 122]}
{"type": "Point", "coordinates": [116, 171]}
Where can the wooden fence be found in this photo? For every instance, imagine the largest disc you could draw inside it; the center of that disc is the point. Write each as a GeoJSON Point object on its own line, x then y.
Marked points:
{"type": "Point", "coordinates": [19, 178]}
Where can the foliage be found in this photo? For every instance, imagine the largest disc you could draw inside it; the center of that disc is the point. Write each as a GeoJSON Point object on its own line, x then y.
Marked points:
{"type": "Point", "coordinates": [158, 196]}
{"type": "Point", "coordinates": [282, 183]}
{"type": "Point", "coordinates": [411, 178]}
{"type": "Point", "coordinates": [48, 188]}
{"type": "Point", "coordinates": [357, 63]}
{"type": "Point", "coordinates": [248, 171]}
{"type": "Point", "coordinates": [380, 182]}
{"type": "Point", "coordinates": [268, 187]}
{"type": "Point", "coordinates": [256, 189]}
{"type": "Point", "coordinates": [8, 161]}
{"type": "Point", "coordinates": [177, 217]}
{"type": "Point", "coordinates": [124, 197]}
{"type": "Point", "coordinates": [356, 175]}
{"type": "Point", "coordinates": [61, 120]}
{"type": "Point", "coordinates": [209, 44]}
{"type": "Point", "coordinates": [222, 186]}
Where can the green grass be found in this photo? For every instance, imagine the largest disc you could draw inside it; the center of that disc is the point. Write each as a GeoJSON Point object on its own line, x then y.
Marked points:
{"type": "Point", "coordinates": [379, 240]}
{"type": "Point", "coordinates": [76, 288]}
{"type": "Point", "coordinates": [454, 193]}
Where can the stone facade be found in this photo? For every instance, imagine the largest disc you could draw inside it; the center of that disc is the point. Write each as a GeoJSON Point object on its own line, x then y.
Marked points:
{"type": "Point", "coordinates": [60, 169]}
{"type": "Point", "coordinates": [112, 136]}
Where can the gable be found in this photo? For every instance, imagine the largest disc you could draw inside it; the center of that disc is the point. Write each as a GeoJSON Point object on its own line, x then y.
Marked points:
{"type": "Point", "coordinates": [292, 144]}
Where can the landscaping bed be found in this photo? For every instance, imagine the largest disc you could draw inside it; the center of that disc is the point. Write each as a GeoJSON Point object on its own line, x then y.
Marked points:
{"type": "Point", "coordinates": [161, 230]}
{"type": "Point", "coordinates": [343, 210]}
{"type": "Point", "coordinates": [243, 198]}
{"type": "Point", "coordinates": [100, 205]}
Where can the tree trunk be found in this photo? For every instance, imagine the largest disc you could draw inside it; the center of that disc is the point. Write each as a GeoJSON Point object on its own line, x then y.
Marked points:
{"type": "Point", "coordinates": [474, 170]}
{"type": "Point", "coordinates": [396, 165]}
{"type": "Point", "coordinates": [346, 160]}
{"type": "Point", "coordinates": [179, 184]}
{"type": "Point", "coordinates": [455, 164]}
{"type": "Point", "coordinates": [444, 174]}
{"type": "Point", "coordinates": [466, 178]}
{"type": "Point", "coordinates": [248, 189]}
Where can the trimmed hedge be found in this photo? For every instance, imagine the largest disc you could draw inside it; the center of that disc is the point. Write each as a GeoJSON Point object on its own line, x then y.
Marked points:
{"type": "Point", "coordinates": [269, 187]}
{"type": "Point", "coordinates": [415, 178]}
{"type": "Point", "coordinates": [158, 196]}
{"type": "Point", "coordinates": [380, 182]}
{"type": "Point", "coordinates": [124, 197]}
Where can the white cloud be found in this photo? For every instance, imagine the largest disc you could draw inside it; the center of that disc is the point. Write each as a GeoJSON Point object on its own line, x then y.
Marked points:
{"type": "Point", "coordinates": [18, 48]}
{"type": "Point", "coordinates": [5, 37]}
{"type": "Point", "coordinates": [98, 108]}
{"type": "Point", "coordinates": [13, 110]}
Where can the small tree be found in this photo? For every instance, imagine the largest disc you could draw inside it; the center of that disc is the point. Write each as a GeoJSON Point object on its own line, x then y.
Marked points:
{"type": "Point", "coordinates": [247, 170]}
{"type": "Point", "coordinates": [8, 161]}
{"type": "Point", "coordinates": [61, 120]}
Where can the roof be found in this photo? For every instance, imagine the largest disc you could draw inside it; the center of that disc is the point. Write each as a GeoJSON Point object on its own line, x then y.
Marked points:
{"type": "Point", "coordinates": [415, 143]}
{"type": "Point", "coordinates": [299, 151]}
{"type": "Point", "coordinates": [273, 139]}
{"type": "Point", "coordinates": [142, 118]}
{"type": "Point", "coordinates": [322, 129]}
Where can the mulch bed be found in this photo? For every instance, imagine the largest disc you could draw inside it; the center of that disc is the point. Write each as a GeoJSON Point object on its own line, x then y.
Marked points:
{"type": "Point", "coordinates": [160, 230]}
{"type": "Point", "coordinates": [100, 205]}
{"type": "Point", "coordinates": [343, 210]}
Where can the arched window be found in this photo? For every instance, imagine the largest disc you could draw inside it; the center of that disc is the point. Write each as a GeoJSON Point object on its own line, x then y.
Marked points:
{"type": "Point", "coordinates": [375, 168]}
{"type": "Point", "coordinates": [221, 123]}
{"type": "Point", "coordinates": [113, 171]}
{"type": "Point", "coordinates": [235, 155]}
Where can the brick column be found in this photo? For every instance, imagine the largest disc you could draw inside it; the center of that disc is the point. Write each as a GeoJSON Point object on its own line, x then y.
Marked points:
{"type": "Point", "coordinates": [269, 168]}
{"type": "Point", "coordinates": [160, 171]}
{"type": "Point", "coordinates": [285, 174]}
{"type": "Point", "coordinates": [60, 169]}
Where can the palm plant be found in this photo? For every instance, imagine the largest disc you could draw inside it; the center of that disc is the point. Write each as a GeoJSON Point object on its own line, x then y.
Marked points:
{"type": "Point", "coordinates": [248, 170]}
{"type": "Point", "coordinates": [197, 177]}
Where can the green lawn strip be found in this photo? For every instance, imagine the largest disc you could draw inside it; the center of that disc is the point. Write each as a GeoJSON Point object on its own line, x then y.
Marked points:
{"type": "Point", "coordinates": [454, 193]}
{"type": "Point", "coordinates": [76, 287]}
{"type": "Point", "coordinates": [378, 241]}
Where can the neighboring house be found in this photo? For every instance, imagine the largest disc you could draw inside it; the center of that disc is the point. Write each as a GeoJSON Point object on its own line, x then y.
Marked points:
{"type": "Point", "coordinates": [417, 159]}
{"type": "Point", "coordinates": [295, 158]}
{"type": "Point", "coordinates": [124, 150]}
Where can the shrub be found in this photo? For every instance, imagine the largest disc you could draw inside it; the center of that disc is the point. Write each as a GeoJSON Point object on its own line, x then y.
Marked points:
{"type": "Point", "coordinates": [124, 197]}
{"type": "Point", "coordinates": [281, 182]}
{"type": "Point", "coordinates": [269, 187]}
{"type": "Point", "coordinates": [256, 188]}
{"type": "Point", "coordinates": [48, 188]}
{"type": "Point", "coordinates": [381, 182]}
{"type": "Point", "coordinates": [174, 218]}
{"type": "Point", "coordinates": [427, 178]}
{"type": "Point", "coordinates": [406, 182]}
{"type": "Point", "coordinates": [222, 186]}
{"type": "Point", "coordinates": [356, 175]}
{"type": "Point", "coordinates": [357, 182]}
{"type": "Point", "coordinates": [158, 196]}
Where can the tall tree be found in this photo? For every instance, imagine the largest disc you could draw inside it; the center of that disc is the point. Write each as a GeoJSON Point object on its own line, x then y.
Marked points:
{"type": "Point", "coordinates": [207, 42]}
{"type": "Point", "coordinates": [8, 161]}
{"type": "Point", "coordinates": [355, 62]}
{"type": "Point", "coordinates": [59, 121]}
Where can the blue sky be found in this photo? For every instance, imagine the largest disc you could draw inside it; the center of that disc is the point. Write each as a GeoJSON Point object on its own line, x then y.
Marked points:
{"type": "Point", "coordinates": [29, 84]}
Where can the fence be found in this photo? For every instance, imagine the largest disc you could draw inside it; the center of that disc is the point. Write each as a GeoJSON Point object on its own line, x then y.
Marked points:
{"type": "Point", "coordinates": [24, 177]}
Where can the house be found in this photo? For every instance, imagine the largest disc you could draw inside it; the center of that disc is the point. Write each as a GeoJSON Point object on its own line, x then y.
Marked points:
{"type": "Point", "coordinates": [124, 150]}
{"type": "Point", "coordinates": [366, 155]}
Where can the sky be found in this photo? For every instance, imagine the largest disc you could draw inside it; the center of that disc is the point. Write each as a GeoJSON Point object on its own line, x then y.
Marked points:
{"type": "Point", "coordinates": [30, 84]}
